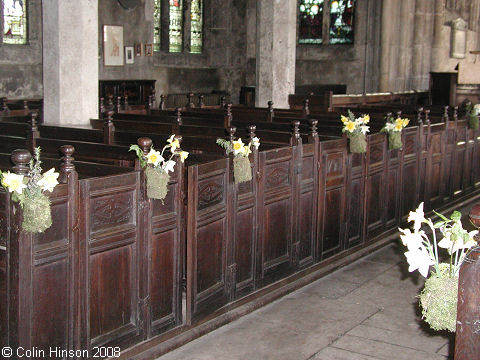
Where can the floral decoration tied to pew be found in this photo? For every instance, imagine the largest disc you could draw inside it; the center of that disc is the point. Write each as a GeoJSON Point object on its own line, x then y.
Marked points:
{"type": "Point", "coordinates": [393, 127]}
{"type": "Point", "coordinates": [472, 115]}
{"type": "Point", "coordinates": [29, 192]}
{"type": "Point", "coordinates": [356, 129]}
{"type": "Point", "coordinates": [438, 298]}
{"type": "Point", "coordinates": [242, 171]}
{"type": "Point", "coordinates": [157, 167]}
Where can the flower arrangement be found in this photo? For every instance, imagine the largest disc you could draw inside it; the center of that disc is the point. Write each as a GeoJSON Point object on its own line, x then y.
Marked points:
{"type": "Point", "coordinates": [29, 192]}
{"type": "Point", "coordinates": [438, 299]}
{"type": "Point", "coordinates": [356, 129]}
{"type": "Point", "coordinates": [393, 127]}
{"type": "Point", "coordinates": [157, 167]}
{"type": "Point", "coordinates": [241, 164]}
{"type": "Point", "coordinates": [472, 115]}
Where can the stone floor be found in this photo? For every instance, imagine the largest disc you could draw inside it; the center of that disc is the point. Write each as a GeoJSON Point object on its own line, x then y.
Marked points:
{"type": "Point", "coordinates": [366, 310]}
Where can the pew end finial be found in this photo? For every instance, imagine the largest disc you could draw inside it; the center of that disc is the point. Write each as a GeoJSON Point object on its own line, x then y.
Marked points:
{"type": "Point", "coordinates": [67, 165]}
{"type": "Point", "coordinates": [21, 158]}
{"type": "Point", "coordinates": [145, 144]}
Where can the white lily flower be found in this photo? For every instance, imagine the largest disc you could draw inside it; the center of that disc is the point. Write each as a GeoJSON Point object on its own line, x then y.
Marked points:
{"type": "Point", "coordinates": [419, 259]}
{"type": "Point", "coordinates": [169, 166]}
{"type": "Point", "coordinates": [417, 217]}
{"type": "Point", "coordinates": [49, 180]}
{"type": "Point", "coordinates": [173, 143]}
{"type": "Point", "coordinates": [13, 182]}
{"type": "Point", "coordinates": [364, 129]}
{"type": "Point", "coordinates": [412, 240]}
{"type": "Point", "coordinates": [256, 142]}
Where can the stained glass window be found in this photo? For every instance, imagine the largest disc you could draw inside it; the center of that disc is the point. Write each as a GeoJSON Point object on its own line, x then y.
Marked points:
{"type": "Point", "coordinates": [157, 21]}
{"type": "Point", "coordinates": [311, 21]}
{"type": "Point", "coordinates": [196, 26]}
{"type": "Point", "coordinates": [176, 26]}
{"type": "Point", "coordinates": [341, 21]}
{"type": "Point", "coordinates": [15, 21]}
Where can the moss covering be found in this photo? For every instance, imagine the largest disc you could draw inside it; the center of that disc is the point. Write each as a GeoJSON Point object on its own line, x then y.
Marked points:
{"type": "Point", "coordinates": [473, 121]}
{"type": "Point", "coordinates": [358, 143]}
{"type": "Point", "coordinates": [438, 300]}
{"type": "Point", "coordinates": [37, 216]}
{"type": "Point", "coordinates": [242, 171]}
{"type": "Point", "coordinates": [394, 140]}
{"type": "Point", "coordinates": [157, 183]}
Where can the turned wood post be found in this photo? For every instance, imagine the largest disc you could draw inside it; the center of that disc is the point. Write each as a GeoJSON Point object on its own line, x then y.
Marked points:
{"type": "Point", "coordinates": [190, 103]}
{"type": "Point", "coordinates": [118, 105]}
{"type": "Point", "coordinates": [270, 111]}
{"type": "Point", "coordinates": [306, 107]}
{"type": "Point", "coordinates": [445, 113]}
{"type": "Point", "coordinates": [125, 102]}
{"type": "Point", "coordinates": [313, 135]}
{"type": "Point", "coordinates": [33, 134]}
{"type": "Point", "coordinates": [295, 139]}
{"type": "Point", "coordinates": [21, 159]}
{"type": "Point", "coordinates": [200, 101]}
{"type": "Point", "coordinates": [227, 119]}
{"type": "Point", "coordinates": [67, 168]}
{"type": "Point", "coordinates": [178, 120]}
{"type": "Point", "coordinates": [108, 128]}
{"type": "Point", "coordinates": [419, 114]}
{"type": "Point", "coordinates": [231, 130]}
{"type": "Point", "coordinates": [455, 113]}
{"type": "Point", "coordinates": [153, 99]}
{"type": "Point", "coordinates": [399, 114]}
{"type": "Point", "coordinates": [145, 144]}
{"type": "Point", "coordinates": [25, 104]}
{"type": "Point", "coordinates": [162, 102]}
{"type": "Point", "coordinates": [102, 107]}
{"type": "Point", "coordinates": [467, 337]}
{"type": "Point", "coordinates": [223, 101]}
{"type": "Point", "coordinates": [427, 115]}
{"type": "Point", "coordinates": [251, 131]}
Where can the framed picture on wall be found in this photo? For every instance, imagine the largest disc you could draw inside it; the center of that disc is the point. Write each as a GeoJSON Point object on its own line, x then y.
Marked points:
{"type": "Point", "coordinates": [148, 49]}
{"type": "Point", "coordinates": [112, 45]}
{"type": "Point", "coordinates": [129, 56]}
{"type": "Point", "coordinates": [138, 49]}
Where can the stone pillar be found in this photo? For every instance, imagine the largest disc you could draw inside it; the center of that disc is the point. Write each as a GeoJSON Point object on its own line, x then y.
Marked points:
{"type": "Point", "coordinates": [407, 8]}
{"type": "Point", "coordinates": [70, 61]}
{"type": "Point", "coordinates": [437, 46]}
{"type": "Point", "coordinates": [386, 48]}
{"type": "Point", "coordinates": [276, 46]}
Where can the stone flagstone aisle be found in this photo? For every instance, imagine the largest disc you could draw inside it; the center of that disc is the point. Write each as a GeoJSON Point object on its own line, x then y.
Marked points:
{"type": "Point", "coordinates": [366, 310]}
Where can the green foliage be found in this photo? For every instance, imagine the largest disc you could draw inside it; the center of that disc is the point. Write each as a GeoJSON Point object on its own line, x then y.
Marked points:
{"type": "Point", "coordinates": [139, 152]}
{"type": "Point", "coordinates": [225, 144]}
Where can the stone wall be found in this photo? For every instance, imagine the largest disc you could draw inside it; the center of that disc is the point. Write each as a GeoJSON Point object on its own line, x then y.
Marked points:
{"type": "Point", "coordinates": [221, 66]}
{"type": "Point", "coordinates": [21, 65]}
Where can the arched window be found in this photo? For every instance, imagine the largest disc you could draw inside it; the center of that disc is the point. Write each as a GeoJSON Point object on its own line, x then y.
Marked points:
{"type": "Point", "coordinates": [171, 32]}
{"type": "Point", "coordinates": [335, 15]}
{"type": "Point", "coordinates": [14, 21]}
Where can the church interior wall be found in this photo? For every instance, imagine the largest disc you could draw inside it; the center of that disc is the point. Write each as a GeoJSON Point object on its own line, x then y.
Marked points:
{"type": "Point", "coordinates": [21, 65]}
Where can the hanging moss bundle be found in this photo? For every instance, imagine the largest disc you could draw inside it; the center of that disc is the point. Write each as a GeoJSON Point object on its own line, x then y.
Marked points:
{"type": "Point", "coordinates": [37, 216]}
{"type": "Point", "coordinates": [394, 140]}
{"type": "Point", "coordinates": [157, 183]}
{"type": "Point", "coordinates": [438, 300]}
{"type": "Point", "coordinates": [358, 143]}
{"type": "Point", "coordinates": [473, 121]}
{"type": "Point", "coordinates": [242, 171]}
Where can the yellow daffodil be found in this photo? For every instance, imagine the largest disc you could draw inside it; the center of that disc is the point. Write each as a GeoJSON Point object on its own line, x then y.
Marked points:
{"type": "Point", "coordinates": [405, 122]}
{"type": "Point", "coordinates": [154, 157]}
{"type": "Point", "coordinates": [350, 126]}
{"type": "Point", "coordinates": [13, 182]}
{"type": "Point", "coordinates": [237, 146]}
{"type": "Point", "coordinates": [398, 126]}
{"type": "Point", "coordinates": [366, 119]}
{"type": "Point", "coordinates": [183, 155]}
{"type": "Point", "coordinates": [398, 122]}
{"type": "Point", "coordinates": [343, 118]}
{"type": "Point", "coordinates": [173, 143]}
{"type": "Point", "coordinates": [246, 150]}
{"type": "Point", "coordinates": [49, 180]}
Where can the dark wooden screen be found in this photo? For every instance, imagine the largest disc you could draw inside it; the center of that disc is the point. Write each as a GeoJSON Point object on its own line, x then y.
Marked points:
{"type": "Point", "coordinates": [208, 237]}
{"type": "Point", "coordinates": [110, 256]}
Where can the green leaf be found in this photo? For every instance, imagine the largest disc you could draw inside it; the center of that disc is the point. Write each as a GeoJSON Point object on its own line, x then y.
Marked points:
{"type": "Point", "coordinates": [456, 216]}
{"type": "Point", "coordinates": [441, 216]}
{"type": "Point", "coordinates": [438, 224]}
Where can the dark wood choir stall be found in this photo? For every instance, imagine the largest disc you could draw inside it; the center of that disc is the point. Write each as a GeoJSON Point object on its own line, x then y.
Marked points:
{"type": "Point", "coordinates": [112, 268]}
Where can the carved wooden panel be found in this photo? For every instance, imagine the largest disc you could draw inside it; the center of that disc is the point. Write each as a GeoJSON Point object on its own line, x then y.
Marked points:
{"type": "Point", "coordinates": [355, 211]}
{"type": "Point", "coordinates": [376, 153]}
{"type": "Point", "coordinates": [335, 169]}
{"type": "Point", "coordinates": [333, 221]}
{"type": "Point", "coordinates": [245, 245]}
{"type": "Point", "coordinates": [375, 202]}
{"type": "Point", "coordinates": [277, 239]}
{"type": "Point", "coordinates": [111, 249]}
{"type": "Point", "coordinates": [208, 237]}
{"type": "Point", "coordinates": [277, 175]}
